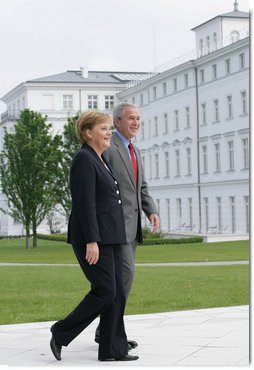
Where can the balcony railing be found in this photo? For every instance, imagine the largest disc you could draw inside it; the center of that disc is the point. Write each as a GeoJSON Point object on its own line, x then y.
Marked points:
{"type": "Point", "coordinates": [12, 115]}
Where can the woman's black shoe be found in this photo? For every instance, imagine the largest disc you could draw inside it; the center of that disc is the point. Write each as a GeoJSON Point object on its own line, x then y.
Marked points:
{"type": "Point", "coordinates": [55, 348]}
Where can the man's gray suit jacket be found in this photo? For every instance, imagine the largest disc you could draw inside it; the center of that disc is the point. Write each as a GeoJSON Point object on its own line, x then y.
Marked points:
{"type": "Point", "coordinates": [134, 199]}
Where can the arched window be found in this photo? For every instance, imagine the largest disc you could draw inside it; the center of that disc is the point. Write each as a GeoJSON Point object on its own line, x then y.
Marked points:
{"type": "Point", "coordinates": [234, 36]}
{"type": "Point", "coordinates": [215, 41]}
{"type": "Point", "coordinates": [208, 43]}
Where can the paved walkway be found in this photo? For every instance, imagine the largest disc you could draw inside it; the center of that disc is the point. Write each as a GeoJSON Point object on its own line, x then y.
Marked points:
{"type": "Point", "coordinates": [214, 336]}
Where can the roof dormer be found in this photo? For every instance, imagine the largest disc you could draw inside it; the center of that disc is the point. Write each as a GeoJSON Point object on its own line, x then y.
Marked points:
{"type": "Point", "coordinates": [222, 30]}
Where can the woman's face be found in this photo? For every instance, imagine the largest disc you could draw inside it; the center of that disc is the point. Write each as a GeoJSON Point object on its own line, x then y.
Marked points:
{"type": "Point", "coordinates": [99, 136]}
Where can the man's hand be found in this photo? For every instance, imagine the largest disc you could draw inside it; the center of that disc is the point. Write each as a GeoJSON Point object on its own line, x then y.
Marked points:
{"type": "Point", "coordinates": [92, 253]}
{"type": "Point", "coordinates": [155, 222]}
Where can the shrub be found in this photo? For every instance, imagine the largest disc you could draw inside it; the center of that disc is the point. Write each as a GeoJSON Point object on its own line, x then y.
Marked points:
{"type": "Point", "coordinates": [159, 241]}
{"type": "Point", "coordinates": [55, 237]}
{"type": "Point", "coordinates": [147, 233]}
{"type": "Point", "coordinates": [154, 240]}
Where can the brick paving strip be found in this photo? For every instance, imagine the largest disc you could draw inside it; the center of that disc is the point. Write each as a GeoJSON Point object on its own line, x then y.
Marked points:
{"type": "Point", "coordinates": [219, 263]}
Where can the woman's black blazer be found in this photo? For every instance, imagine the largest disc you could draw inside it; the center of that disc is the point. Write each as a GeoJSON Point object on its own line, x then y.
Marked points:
{"type": "Point", "coordinates": [97, 214]}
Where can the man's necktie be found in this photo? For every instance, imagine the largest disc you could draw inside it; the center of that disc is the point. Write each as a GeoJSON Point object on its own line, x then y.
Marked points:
{"type": "Point", "coordinates": [134, 162]}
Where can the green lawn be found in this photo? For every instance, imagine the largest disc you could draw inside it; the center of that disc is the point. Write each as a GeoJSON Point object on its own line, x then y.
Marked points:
{"type": "Point", "coordinates": [13, 250]}
{"type": "Point", "coordinates": [32, 293]}
{"type": "Point", "coordinates": [45, 293]}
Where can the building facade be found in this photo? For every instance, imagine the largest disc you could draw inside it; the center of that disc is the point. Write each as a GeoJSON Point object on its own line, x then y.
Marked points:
{"type": "Point", "coordinates": [194, 135]}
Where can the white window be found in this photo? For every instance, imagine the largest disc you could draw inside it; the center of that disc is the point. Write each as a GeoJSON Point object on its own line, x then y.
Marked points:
{"type": "Point", "coordinates": [150, 167]}
{"type": "Point", "coordinates": [179, 212]}
{"type": "Point", "coordinates": [242, 61]}
{"type": "Point", "coordinates": [133, 100]}
{"type": "Point", "coordinates": [234, 36]}
{"type": "Point", "coordinates": [206, 206]}
{"type": "Point", "coordinates": [216, 110]}
{"type": "Point", "coordinates": [190, 212]}
{"type": "Point", "coordinates": [227, 66]}
{"type": "Point", "coordinates": [154, 93]}
{"type": "Point", "coordinates": [233, 214]}
{"type": "Point", "coordinates": [229, 106]}
{"type": "Point", "coordinates": [205, 159]}
{"type": "Point", "coordinates": [156, 158]}
{"type": "Point", "coordinates": [247, 213]}
{"type": "Point", "coordinates": [245, 143]}
{"type": "Point", "coordinates": [175, 84]}
{"type": "Point", "coordinates": [158, 206]}
{"type": "Point", "coordinates": [187, 116]}
{"type": "Point", "coordinates": [141, 100]}
{"type": "Point", "coordinates": [166, 157]}
{"type": "Point", "coordinates": [178, 169]}
{"type": "Point", "coordinates": [186, 80]}
{"type": "Point", "coordinates": [92, 101]}
{"type": "Point", "coordinates": [202, 75]}
{"type": "Point", "coordinates": [231, 155]}
{"type": "Point", "coordinates": [149, 129]}
{"type": "Point", "coordinates": [109, 101]}
{"type": "Point", "coordinates": [217, 157]}
{"type": "Point", "coordinates": [164, 88]}
{"type": "Point", "coordinates": [214, 71]}
{"type": "Point", "coordinates": [203, 112]}
{"type": "Point", "coordinates": [244, 102]}
{"type": "Point", "coordinates": [176, 118]}
{"type": "Point", "coordinates": [208, 43]}
{"type": "Point", "coordinates": [155, 126]}
{"type": "Point", "coordinates": [168, 212]}
{"type": "Point", "coordinates": [219, 213]}
{"type": "Point", "coordinates": [188, 155]}
{"type": "Point", "coordinates": [215, 40]}
{"type": "Point", "coordinates": [142, 131]}
{"type": "Point", "coordinates": [165, 118]}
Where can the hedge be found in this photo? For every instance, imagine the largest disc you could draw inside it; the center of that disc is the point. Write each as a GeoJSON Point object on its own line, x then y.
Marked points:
{"type": "Point", "coordinates": [160, 241]}
{"type": "Point", "coordinates": [150, 241]}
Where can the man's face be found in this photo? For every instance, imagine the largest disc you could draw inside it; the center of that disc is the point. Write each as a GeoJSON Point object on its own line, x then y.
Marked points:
{"type": "Point", "coordinates": [129, 125]}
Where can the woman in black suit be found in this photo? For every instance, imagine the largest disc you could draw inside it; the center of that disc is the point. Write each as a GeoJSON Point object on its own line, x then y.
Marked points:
{"type": "Point", "coordinates": [96, 230]}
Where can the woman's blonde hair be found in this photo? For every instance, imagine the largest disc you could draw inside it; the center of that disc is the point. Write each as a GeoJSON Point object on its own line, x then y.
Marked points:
{"type": "Point", "coordinates": [87, 120]}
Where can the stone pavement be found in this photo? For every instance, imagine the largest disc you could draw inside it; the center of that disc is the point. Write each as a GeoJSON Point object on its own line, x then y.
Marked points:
{"type": "Point", "coordinates": [213, 336]}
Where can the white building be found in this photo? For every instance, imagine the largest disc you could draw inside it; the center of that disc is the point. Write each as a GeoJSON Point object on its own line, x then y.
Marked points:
{"type": "Point", "coordinates": [59, 97]}
{"type": "Point", "coordinates": [194, 137]}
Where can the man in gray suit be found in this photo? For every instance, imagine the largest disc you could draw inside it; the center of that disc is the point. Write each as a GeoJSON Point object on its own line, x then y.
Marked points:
{"type": "Point", "coordinates": [125, 161]}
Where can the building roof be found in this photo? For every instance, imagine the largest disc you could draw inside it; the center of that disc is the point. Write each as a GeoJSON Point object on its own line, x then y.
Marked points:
{"type": "Point", "coordinates": [94, 77]}
{"type": "Point", "coordinates": [236, 13]}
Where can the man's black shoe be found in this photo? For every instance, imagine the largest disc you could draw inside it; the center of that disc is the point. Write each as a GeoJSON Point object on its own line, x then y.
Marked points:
{"type": "Point", "coordinates": [124, 358]}
{"type": "Point", "coordinates": [131, 343]}
{"type": "Point", "coordinates": [55, 348]}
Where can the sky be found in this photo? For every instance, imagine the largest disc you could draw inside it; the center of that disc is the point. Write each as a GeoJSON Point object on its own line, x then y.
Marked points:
{"type": "Point", "coordinates": [45, 37]}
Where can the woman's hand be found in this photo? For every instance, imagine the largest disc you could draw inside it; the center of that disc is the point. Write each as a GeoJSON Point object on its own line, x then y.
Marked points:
{"type": "Point", "coordinates": [92, 253]}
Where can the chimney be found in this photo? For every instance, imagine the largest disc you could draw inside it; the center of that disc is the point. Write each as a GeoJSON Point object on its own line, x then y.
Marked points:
{"type": "Point", "coordinates": [84, 72]}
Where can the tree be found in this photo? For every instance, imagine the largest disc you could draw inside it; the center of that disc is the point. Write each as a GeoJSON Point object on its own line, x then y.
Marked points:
{"type": "Point", "coordinates": [70, 146]}
{"type": "Point", "coordinates": [28, 167]}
